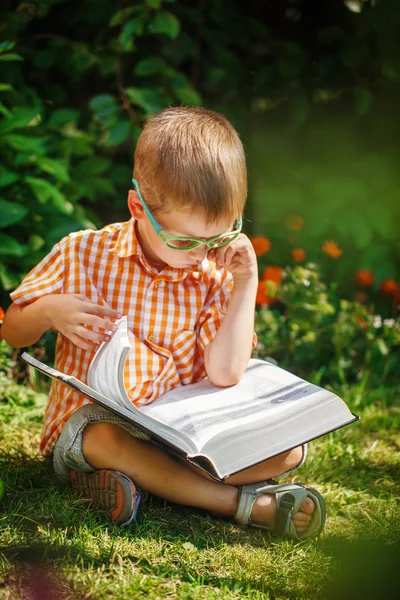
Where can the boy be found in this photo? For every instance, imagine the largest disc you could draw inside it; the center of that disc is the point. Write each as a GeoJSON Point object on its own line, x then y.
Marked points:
{"type": "Point", "coordinates": [186, 277]}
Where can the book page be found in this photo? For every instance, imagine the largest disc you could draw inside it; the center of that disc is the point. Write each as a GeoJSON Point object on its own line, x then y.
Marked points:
{"type": "Point", "coordinates": [202, 410]}
{"type": "Point", "coordinates": [106, 371]}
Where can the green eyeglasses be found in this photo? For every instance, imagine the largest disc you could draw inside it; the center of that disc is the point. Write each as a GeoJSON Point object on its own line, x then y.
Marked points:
{"type": "Point", "coordinates": [180, 242]}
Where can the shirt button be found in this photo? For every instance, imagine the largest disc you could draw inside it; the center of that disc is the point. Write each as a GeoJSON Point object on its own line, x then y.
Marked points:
{"type": "Point", "coordinates": [151, 338]}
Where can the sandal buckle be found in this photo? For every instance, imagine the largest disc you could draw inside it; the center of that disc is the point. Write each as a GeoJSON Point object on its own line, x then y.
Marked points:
{"type": "Point", "coordinates": [287, 502]}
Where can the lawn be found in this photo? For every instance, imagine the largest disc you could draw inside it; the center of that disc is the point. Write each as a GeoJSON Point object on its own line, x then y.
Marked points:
{"type": "Point", "coordinates": [174, 552]}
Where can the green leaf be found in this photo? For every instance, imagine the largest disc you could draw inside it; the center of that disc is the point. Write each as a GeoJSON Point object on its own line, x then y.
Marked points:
{"type": "Point", "coordinates": [20, 117]}
{"type": "Point", "coordinates": [362, 100]}
{"type": "Point", "coordinates": [118, 134]}
{"type": "Point", "coordinates": [121, 15]}
{"type": "Point", "coordinates": [24, 143]}
{"type": "Point", "coordinates": [22, 160]}
{"type": "Point", "coordinates": [10, 57]}
{"type": "Point", "coordinates": [104, 105]}
{"type": "Point", "coordinates": [150, 99]}
{"type": "Point", "coordinates": [6, 87]}
{"type": "Point", "coordinates": [60, 117]}
{"type": "Point", "coordinates": [134, 27]}
{"type": "Point", "coordinates": [11, 212]}
{"type": "Point", "coordinates": [4, 111]}
{"type": "Point", "coordinates": [45, 192]}
{"type": "Point", "coordinates": [165, 22]}
{"type": "Point", "coordinates": [150, 65]}
{"type": "Point", "coordinates": [7, 177]}
{"type": "Point", "coordinates": [92, 166]}
{"type": "Point", "coordinates": [8, 279]}
{"type": "Point", "coordinates": [10, 247]}
{"type": "Point", "coordinates": [54, 167]}
{"type": "Point", "coordinates": [188, 95]}
{"type": "Point", "coordinates": [6, 46]}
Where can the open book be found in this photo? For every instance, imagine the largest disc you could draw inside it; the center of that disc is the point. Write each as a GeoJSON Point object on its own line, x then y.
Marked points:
{"type": "Point", "coordinates": [221, 430]}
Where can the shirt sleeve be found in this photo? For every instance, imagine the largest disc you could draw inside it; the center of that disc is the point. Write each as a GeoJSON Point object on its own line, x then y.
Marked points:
{"type": "Point", "coordinates": [44, 279]}
{"type": "Point", "coordinates": [214, 310]}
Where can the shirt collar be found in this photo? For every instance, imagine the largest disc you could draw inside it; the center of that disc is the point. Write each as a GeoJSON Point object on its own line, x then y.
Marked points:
{"type": "Point", "coordinates": [127, 245]}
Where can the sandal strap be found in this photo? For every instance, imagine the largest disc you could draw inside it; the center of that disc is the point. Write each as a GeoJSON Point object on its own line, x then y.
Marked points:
{"type": "Point", "coordinates": [283, 515]}
{"type": "Point", "coordinates": [247, 499]}
{"type": "Point", "coordinates": [248, 494]}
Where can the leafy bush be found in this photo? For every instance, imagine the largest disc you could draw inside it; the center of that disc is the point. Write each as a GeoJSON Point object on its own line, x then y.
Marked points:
{"type": "Point", "coordinates": [70, 117]}
{"type": "Point", "coordinates": [309, 330]}
{"type": "Point", "coordinates": [39, 202]}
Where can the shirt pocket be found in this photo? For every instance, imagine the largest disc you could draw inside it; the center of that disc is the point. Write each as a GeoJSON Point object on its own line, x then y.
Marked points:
{"type": "Point", "coordinates": [146, 362]}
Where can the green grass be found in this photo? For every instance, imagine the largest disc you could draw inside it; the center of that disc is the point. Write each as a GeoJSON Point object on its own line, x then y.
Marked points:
{"type": "Point", "coordinates": [174, 552]}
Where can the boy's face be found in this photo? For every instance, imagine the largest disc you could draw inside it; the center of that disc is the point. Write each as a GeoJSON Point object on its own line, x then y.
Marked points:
{"type": "Point", "coordinates": [174, 223]}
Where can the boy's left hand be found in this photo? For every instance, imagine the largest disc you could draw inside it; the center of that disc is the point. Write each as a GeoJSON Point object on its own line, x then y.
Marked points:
{"type": "Point", "coordinates": [238, 257]}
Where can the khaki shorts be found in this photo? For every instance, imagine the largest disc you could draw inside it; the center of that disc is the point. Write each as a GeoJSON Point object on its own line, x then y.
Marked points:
{"type": "Point", "coordinates": [67, 452]}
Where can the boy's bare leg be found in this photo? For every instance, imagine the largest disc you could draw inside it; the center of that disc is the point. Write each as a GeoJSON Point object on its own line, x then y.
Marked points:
{"type": "Point", "coordinates": [107, 446]}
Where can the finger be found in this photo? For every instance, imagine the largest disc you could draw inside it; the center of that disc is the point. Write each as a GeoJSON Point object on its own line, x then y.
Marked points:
{"type": "Point", "coordinates": [99, 309]}
{"type": "Point", "coordinates": [211, 254]}
{"type": "Point", "coordinates": [220, 257]}
{"type": "Point", "coordinates": [98, 322]}
{"type": "Point", "coordinates": [91, 336]}
{"type": "Point", "coordinates": [229, 254]}
{"type": "Point", "coordinates": [81, 343]}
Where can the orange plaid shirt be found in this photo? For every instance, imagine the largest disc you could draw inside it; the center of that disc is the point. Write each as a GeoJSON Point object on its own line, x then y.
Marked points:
{"type": "Point", "coordinates": [173, 314]}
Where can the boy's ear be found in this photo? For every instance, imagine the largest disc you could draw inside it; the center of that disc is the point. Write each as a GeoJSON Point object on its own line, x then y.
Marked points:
{"type": "Point", "coordinates": [135, 206]}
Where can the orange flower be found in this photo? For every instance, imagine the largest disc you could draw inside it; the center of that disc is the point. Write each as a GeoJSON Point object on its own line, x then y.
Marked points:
{"type": "Point", "coordinates": [364, 278]}
{"type": "Point", "coordinates": [273, 274]}
{"type": "Point", "coordinates": [261, 245]}
{"type": "Point", "coordinates": [1, 315]}
{"type": "Point", "coordinates": [294, 222]}
{"type": "Point", "coordinates": [390, 287]}
{"type": "Point", "coordinates": [332, 249]}
{"type": "Point", "coordinates": [262, 296]}
{"type": "Point", "coordinates": [299, 254]}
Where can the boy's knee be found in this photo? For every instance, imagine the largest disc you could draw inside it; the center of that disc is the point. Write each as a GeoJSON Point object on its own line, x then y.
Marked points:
{"type": "Point", "coordinates": [292, 458]}
{"type": "Point", "coordinates": [99, 435]}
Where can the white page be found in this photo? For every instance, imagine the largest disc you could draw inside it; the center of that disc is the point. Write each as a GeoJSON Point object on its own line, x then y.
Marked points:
{"type": "Point", "coordinates": [201, 410]}
{"type": "Point", "coordinates": [106, 371]}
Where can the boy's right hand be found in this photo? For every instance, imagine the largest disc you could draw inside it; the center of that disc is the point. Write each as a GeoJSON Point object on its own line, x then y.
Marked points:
{"type": "Point", "coordinates": [75, 316]}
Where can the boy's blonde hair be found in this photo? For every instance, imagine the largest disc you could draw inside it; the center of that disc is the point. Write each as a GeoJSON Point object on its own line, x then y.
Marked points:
{"type": "Point", "coordinates": [191, 159]}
